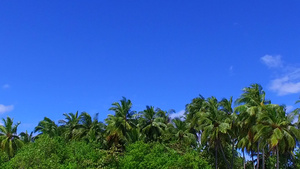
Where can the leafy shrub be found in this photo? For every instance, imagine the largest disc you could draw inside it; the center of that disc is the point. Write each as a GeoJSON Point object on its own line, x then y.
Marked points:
{"type": "Point", "coordinates": [156, 155]}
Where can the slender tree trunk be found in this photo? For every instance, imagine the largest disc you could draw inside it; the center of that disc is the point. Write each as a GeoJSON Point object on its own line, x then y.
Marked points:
{"type": "Point", "coordinates": [277, 153]}
{"type": "Point", "coordinates": [216, 156]}
{"type": "Point", "coordinates": [263, 158]}
{"type": "Point", "coordinates": [228, 165]}
{"type": "Point", "coordinates": [232, 151]}
{"type": "Point", "coordinates": [244, 160]}
{"type": "Point", "coordinates": [257, 164]}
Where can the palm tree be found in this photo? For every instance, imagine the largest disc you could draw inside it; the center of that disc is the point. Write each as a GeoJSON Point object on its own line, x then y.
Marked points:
{"type": "Point", "coordinates": [71, 125]}
{"type": "Point", "coordinates": [26, 137]}
{"type": "Point", "coordinates": [92, 129]}
{"type": "Point", "coordinates": [251, 103]}
{"type": "Point", "coordinates": [150, 125]}
{"type": "Point", "coordinates": [215, 126]}
{"type": "Point", "coordinates": [9, 140]}
{"type": "Point", "coordinates": [278, 130]}
{"type": "Point", "coordinates": [192, 112]}
{"type": "Point", "coordinates": [226, 107]}
{"type": "Point", "coordinates": [180, 131]}
{"type": "Point", "coordinates": [119, 124]}
{"type": "Point", "coordinates": [47, 126]}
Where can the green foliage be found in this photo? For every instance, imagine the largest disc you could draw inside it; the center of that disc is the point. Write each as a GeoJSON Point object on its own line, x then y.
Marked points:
{"type": "Point", "coordinates": [210, 132]}
{"type": "Point", "coordinates": [156, 155]}
{"type": "Point", "coordinates": [44, 153]}
{"type": "Point", "coordinates": [55, 153]}
{"type": "Point", "coordinates": [3, 157]}
{"type": "Point", "coordinates": [9, 140]}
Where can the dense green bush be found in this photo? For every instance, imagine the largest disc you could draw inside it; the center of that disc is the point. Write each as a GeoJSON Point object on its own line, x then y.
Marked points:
{"type": "Point", "coordinates": [56, 153]}
{"type": "Point", "coordinates": [44, 153]}
{"type": "Point", "coordinates": [156, 155]}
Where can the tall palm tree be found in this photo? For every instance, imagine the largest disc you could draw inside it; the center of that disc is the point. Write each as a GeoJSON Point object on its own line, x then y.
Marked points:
{"type": "Point", "coordinates": [226, 107]}
{"type": "Point", "coordinates": [71, 124]}
{"type": "Point", "coordinates": [119, 124]}
{"type": "Point", "coordinates": [277, 129]}
{"type": "Point", "coordinates": [47, 126]}
{"type": "Point", "coordinates": [9, 140]}
{"type": "Point", "coordinates": [215, 126]}
{"type": "Point", "coordinates": [192, 112]}
{"type": "Point", "coordinates": [251, 103]}
{"type": "Point", "coordinates": [150, 124]}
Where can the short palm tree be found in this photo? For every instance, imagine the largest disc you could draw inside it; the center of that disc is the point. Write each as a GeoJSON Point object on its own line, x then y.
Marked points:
{"type": "Point", "coordinates": [26, 137]}
{"type": "Point", "coordinates": [180, 131]}
{"type": "Point", "coordinates": [119, 124]}
{"type": "Point", "coordinates": [47, 126]}
{"type": "Point", "coordinates": [150, 125]}
{"type": "Point", "coordinates": [92, 129]}
{"type": "Point", "coordinates": [71, 124]}
{"type": "Point", "coordinates": [9, 140]}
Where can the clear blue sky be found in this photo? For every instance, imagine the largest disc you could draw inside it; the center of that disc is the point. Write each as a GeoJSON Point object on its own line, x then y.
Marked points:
{"type": "Point", "coordinates": [65, 56]}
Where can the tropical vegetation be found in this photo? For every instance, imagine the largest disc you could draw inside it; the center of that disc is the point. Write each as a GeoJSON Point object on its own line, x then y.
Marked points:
{"type": "Point", "coordinates": [250, 132]}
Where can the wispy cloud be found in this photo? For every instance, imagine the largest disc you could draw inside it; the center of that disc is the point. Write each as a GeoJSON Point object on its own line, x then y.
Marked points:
{"type": "Point", "coordinates": [288, 79]}
{"type": "Point", "coordinates": [230, 70]}
{"type": "Point", "coordinates": [179, 114]}
{"type": "Point", "coordinates": [272, 61]}
{"type": "Point", "coordinates": [289, 108]}
{"type": "Point", "coordinates": [284, 86]}
{"type": "Point", "coordinates": [4, 109]}
{"type": "Point", "coordinates": [5, 86]}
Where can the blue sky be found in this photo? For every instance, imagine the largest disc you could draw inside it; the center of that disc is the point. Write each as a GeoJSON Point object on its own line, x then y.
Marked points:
{"type": "Point", "coordinates": [65, 56]}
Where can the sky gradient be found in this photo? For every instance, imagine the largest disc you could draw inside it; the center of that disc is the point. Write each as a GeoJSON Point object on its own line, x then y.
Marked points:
{"type": "Point", "coordinates": [66, 56]}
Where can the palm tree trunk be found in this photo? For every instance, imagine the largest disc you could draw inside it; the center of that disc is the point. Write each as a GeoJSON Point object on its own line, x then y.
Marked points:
{"type": "Point", "coordinates": [263, 158]}
{"type": "Point", "coordinates": [232, 151]}
{"type": "Point", "coordinates": [227, 163]}
{"type": "Point", "coordinates": [277, 153]}
{"type": "Point", "coordinates": [257, 164]}
{"type": "Point", "coordinates": [216, 156]}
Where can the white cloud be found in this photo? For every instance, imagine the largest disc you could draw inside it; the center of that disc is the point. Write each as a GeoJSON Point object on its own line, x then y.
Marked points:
{"type": "Point", "coordinates": [179, 114]}
{"type": "Point", "coordinates": [4, 109]}
{"type": "Point", "coordinates": [6, 86]}
{"type": "Point", "coordinates": [272, 61]}
{"type": "Point", "coordinates": [288, 77]}
{"type": "Point", "coordinates": [287, 84]}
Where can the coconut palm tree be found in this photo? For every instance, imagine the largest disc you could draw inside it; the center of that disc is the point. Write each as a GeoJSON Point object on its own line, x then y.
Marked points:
{"type": "Point", "coordinates": [92, 129]}
{"type": "Point", "coordinates": [277, 129]}
{"type": "Point", "coordinates": [71, 125]}
{"type": "Point", "coordinates": [47, 126]}
{"type": "Point", "coordinates": [251, 103]}
{"type": "Point", "coordinates": [192, 112]}
{"type": "Point", "coordinates": [119, 124]}
{"type": "Point", "coordinates": [226, 107]}
{"type": "Point", "coordinates": [9, 140]}
{"type": "Point", "coordinates": [150, 125]}
{"type": "Point", "coordinates": [26, 137]}
{"type": "Point", "coordinates": [215, 126]}
{"type": "Point", "coordinates": [180, 131]}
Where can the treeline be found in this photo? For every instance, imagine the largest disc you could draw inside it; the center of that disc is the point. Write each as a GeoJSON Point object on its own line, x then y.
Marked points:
{"type": "Point", "coordinates": [211, 134]}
